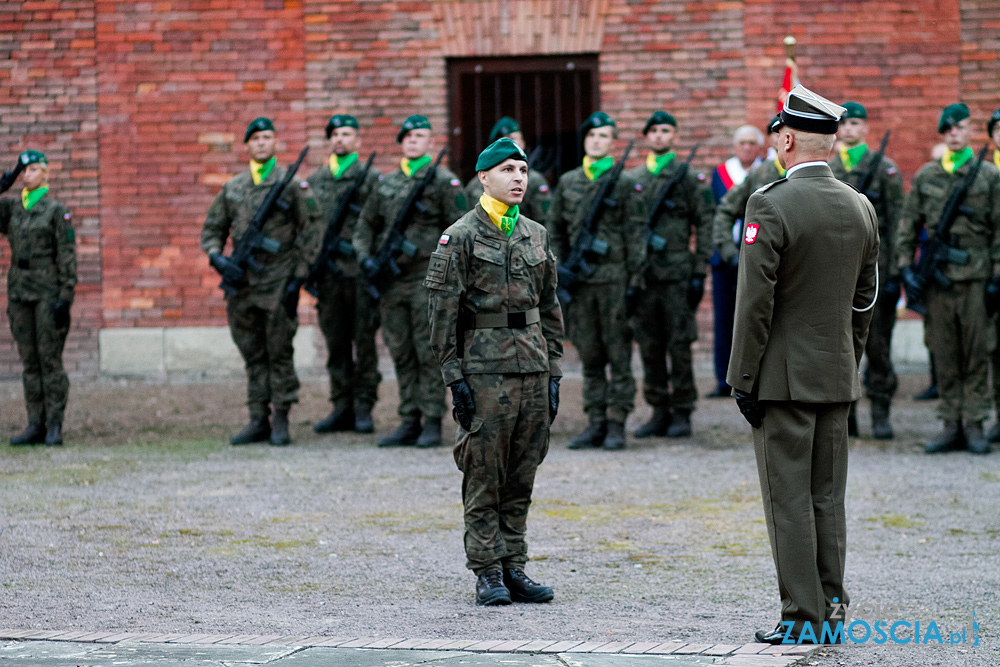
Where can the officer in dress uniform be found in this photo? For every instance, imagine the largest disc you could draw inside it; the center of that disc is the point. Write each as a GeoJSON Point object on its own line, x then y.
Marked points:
{"type": "Point", "coordinates": [807, 285]}
{"type": "Point", "coordinates": [496, 327]}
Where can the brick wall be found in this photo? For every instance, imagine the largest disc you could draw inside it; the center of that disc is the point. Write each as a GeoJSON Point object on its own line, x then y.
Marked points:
{"type": "Point", "coordinates": [160, 92]}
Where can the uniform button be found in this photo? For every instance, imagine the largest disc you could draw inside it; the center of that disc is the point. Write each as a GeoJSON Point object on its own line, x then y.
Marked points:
{"type": "Point", "coordinates": [746, 376]}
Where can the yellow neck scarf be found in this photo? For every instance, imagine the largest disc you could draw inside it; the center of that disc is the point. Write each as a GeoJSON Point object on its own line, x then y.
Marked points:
{"type": "Point", "coordinates": [31, 197]}
{"type": "Point", "coordinates": [781, 170]}
{"type": "Point", "coordinates": [338, 165]}
{"type": "Point", "coordinates": [410, 167]}
{"type": "Point", "coordinates": [657, 163]}
{"type": "Point", "coordinates": [996, 158]}
{"type": "Point", "coordinates": [261, 170]}
{"type": "Point", "coordinates": [594, 169]}
{"type": "Point", "coordinates": [503, 216]}
{"type": "Point", "coordinates": [952, 161]}
{"type": "Point", "coordinates": [850, 157]}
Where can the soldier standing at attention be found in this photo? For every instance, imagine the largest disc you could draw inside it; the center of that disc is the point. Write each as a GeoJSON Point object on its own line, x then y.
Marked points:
{"type": "Point", "coordinates": [852, 165]}
{"type": "Point", "coordinates": [957, 327]}
{"type": "Point", "coordinates": [258, 313]}
{"type": "Point", "coordinates": [807, 285]}
{"type": "Point", "coordinates": [993, 129]}
{"type": "Point", "coordinates": [674, 279]}
{"type": "Point", "coordinates": [597, 323]}
{"type": "Point", "coordinates": [404, 301]}
{"type": "Point", "coordinates": [747, 143]}
{"type": "Point", "coordinates": [40, 286]}
{"type": "Point", "coordinates": [496, 327]}
{"type": "Point", "coordinates": [347, 315]}
{"type": "Point", "coordinates": [537, 196]}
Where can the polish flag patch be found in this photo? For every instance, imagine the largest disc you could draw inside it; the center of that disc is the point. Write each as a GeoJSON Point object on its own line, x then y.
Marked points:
{"type": "Point", "coordinates": [751, 234]}
{"type": "Point", "coordinates": [455, 182]}
{"type": "Point", "coordinates": [444, 239]}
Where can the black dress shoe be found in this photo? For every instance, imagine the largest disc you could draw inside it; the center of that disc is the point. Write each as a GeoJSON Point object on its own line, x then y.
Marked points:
{"type": "Point", "coordinates": [490, 589]}
{"type": "Point", "coordinates": [523, 589]}
{"type": "Point", "coordinates": [722, 391]}
{"type": "Point", "coordinates": [775, 636]}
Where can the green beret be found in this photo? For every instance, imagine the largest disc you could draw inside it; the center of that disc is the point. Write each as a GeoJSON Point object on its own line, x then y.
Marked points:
{"type": "Point", "coordinates": [340, 120]}
{"type": "Point", "coordinates": [994, 119]}
{"type": "Point", "coordinates": [258, 125]}
{"type": "Point", "coordinates": [500, 150]}
{"type": "Point", "coordinates": [33, 157]}
{"type": "Point", "coordinates": [951, 116]}
{"type": "Point", "coordinates": [659, 118]}
{"type": "Point", "coordinates": [412, 123]}
{"type": "Point", "coordinates": [854, 110]}
{"type": "Point", "coordinates": [503, 127]}
{"type": "Point", "coordinates": [595, 120]}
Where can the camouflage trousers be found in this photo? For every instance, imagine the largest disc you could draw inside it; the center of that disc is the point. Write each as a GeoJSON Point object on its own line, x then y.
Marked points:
{"type": "Point", "coordinates": [264, 338]}
{"type": "Point", "coordinates": [348, 318]}
{"type": "Point", "coordinates": [960, 336]}
{"type": "Point", "coordinates": [407, 333]}
{"type": "Point", "coordinates": [601, 335]}
{"type": "Point", "coordinates": [40, 346]}
{"type": "Point", "coordinates": [665, 328]}
{"type": "Point", "coordinates": [880, 377]}
{"type": "Point", "coordinates": [498, 459]}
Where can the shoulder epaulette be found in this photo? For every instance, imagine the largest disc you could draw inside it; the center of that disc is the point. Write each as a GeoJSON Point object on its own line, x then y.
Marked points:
{"type": "Point", "coordinates": [765, 188]}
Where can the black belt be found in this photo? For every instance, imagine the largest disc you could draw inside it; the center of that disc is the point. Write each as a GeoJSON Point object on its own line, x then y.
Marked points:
{"type": "Point", "coordinates": [518, 320]}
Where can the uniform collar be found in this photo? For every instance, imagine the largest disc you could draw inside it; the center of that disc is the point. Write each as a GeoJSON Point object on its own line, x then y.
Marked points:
{"type": "Point", "coordinates": [811, 169]}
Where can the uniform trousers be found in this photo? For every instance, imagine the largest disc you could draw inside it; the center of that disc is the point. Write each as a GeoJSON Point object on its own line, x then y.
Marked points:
{"type": "Point", "coordinates": [348, 318]}
{"type": "Point", "coordinates": [406, 331]}
{"type": "Point", "coordinates": [40, 346]}
{"type": "Point", "coordinates": [880, 377]}
{"type": "Point", "coordinates": [665, 326]}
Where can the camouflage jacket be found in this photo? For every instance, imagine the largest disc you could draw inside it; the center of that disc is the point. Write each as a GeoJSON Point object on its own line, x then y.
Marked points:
{"type": "Point", "coordinates": [690, 217]}
{"type": "Point", "coordinates": [443, 203]}
{"type": "Point", "coordinates": [328, 190]}
{"type": "Point", "coordinates": [977, 234]}
{"type": "Point", "coordinates": [297, 229]}
{"type": "Point", "coordinates": [477, 271]}
{"type": "Point", "coordinates": [537, 196]}
{"type": "Point", "coordinates": [726, 236]}
{"type": "Point", "coordinates": [621, 227]}
{"type": "Point", "coordinates": [43, 250]}
{"type": "Point", "coordinates": [887, 186]}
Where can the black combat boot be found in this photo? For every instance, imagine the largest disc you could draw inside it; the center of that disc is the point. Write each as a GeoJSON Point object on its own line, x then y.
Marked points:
{"type": "Point", "coordinates": [33, 435]}
{"type": "Point", "coordinates": [656, 426]}
{"type": "Point", "coordinates": [258, 430]}
{"type": "Point", "coordinates": [928, 394]}
{"type": "Point", "coordinates": [994, 434]}
{"type": "Point", "coordinates": [363, 422]}
{"type": "Point", "coordinates": [680, 425]}
{"type": "Point", "coordinates": [881, 428]}
{"type": "Point", "coordinates": [592, 436]}
{"type": "Point", "coordinates": [341, 419]}
{"type": "Point", "coordinates": [852, 420]}
{"type": "Point", "coordinates": [490, 589]}
{"type": "Point", "coordinates": [974, 438]}
{"type": "Point", "coordinates": [53, 435]}
{"type": "Point", "coordinates": [523, 589]}
{"type": "Point", "coordinates": [430, 434]}
{"type": "Point", "coordinates": [404, 436]}
{"type": "Point", "coordinates": [279, 429]}
{"type": "Point", "coordinates": [949, 440]}
{"type": "Point", "coordinates": [614, 439]}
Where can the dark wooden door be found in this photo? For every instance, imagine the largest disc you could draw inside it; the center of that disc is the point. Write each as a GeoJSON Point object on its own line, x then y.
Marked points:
{"type": "Point", "coordinates": [549, 96]}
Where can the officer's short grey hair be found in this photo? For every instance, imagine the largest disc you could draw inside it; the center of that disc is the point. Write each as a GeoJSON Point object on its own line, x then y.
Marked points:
{"type": "Point", "coordinates": [749, 129]}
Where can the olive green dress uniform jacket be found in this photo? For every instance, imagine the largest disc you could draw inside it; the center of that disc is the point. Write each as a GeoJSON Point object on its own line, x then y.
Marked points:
{"type": "Point", "coordinates": [537, 195]}
{"type": "Point", "coordinates": [43, 250]}
{"type": "Point", "coordinates": [805, 265]}
{"type": "Point", "coordinates": [733, 207]}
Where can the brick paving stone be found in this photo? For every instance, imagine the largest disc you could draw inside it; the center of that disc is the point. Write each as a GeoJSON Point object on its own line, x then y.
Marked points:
{"type": "Point", "coordinates": [432, 644]}
{"type": "Point", "coordinates": [313, 641]}
{"type": "Point", "coordinates": [188, 639]}
{"type": "Point", "coordinates": [585, 647]}
{"type": "Point", "coordinates": [640, 647]}
{"type": "Point", "coordinates": [692, 649]}
{"type": "Point", "coordinates": [44, 634]}
{"type": "Point", "coordinates": [335, 641]}
{"type": "Point", "coordinates": [384, 643]}
{"type": "Point", "coordinates": [238, 639]}
{"type": "Point", "coordinates": [94, 636]}
{"type": "Point", "coordinates": [612, 647]}
{"type": "Point", "coordinates": [483, 645]}
{"type": "Point", "coordinates": [158, 639]}
{"type": "Point", "coordinates": [799, 649]}
{"type": "Point", "coordinates": [458, 645]}
{"type": "Point", "coordinates": [260, 640]}
{"type": "Point", "coordinates": [407, 643]}
{"type": "Point", "coordinates": [758, 661]}
{"type": "Point", "coordinates": [288, 640]}
{"type": "Point", "coordinates": [145, 637]}
{"type": "Point", "coordinates": [509, 646]}
{"type": "Point", "coordinates": [13, 633]}
{"type": "Point", "coordinates": [114, 639]}
{"type": "Point", "coordinates": [357, 643]}
{"type": "Point", "coordinates": [754, 647]}
{"type": "Point", "coordinates": [721, 649]}
{"type": "Point", "coordinates": [68, 636]}
{"type": "Point", "coordinates": [535, 646]}
{"type": "Point", "coordinates": [212, 639]}
{"type": "Point", "coordinates": [560, 647]}
{"type": "Point", "coordinates": [665, 648]}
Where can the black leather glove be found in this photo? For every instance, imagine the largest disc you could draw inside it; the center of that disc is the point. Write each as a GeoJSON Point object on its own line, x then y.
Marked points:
{"type": "Point", "coordinates": [991, 295]}
{"type": "Point", "coordinates": [913, 285]}
{"type": "Point", "coordinates": [632, 297]}
{"type": "Point", "coordinates": [751, 408]}
{"type": "Point", "coordinates": [892, 289]}
{"type": "Point", "coordinates": [60, 314]}
{"type": "Point", "coordinates": [7, 180]}
{"type": "Point", "coordinates": [553, 399]}
{"type": "Point", "coordinates": [225, 267]}
{"type": "Point", "coordinates": [369, 269]}
{"type": "Point", "coordinates": [695, 290]}
{"type": "Point", "coordinates": [290, 299]}
{"type": "Point", "coordinates": [465, 405]}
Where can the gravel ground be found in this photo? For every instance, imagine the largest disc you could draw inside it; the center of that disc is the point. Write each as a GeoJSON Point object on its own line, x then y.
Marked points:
{"type": "Point", "coordinates": [147, 521]}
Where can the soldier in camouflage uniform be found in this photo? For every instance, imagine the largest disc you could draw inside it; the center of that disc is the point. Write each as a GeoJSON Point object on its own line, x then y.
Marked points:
{"type": "Point", "coordinates": [347, 315]}
{"type": "Point", "coordinates": [993, 129]}
{"type": "Point", "coordinates": [496, 327]}
{"type": "Point", "coordinates": [404, 301]}
{"type": "Point", "coordinates": [262, 318]}
{"type": "Point", "coordinates": [674, 280]}
{"type": "Point", "coordinates": [957, 328]}
{"type": "Point", "coordinates": [597, 323]}
{"type": "Point", "coordinates": [851, 165]}
{"type": "Point", "coordinates": [40, 288]}
{"type": "Point", "coordinates": [537, 197]}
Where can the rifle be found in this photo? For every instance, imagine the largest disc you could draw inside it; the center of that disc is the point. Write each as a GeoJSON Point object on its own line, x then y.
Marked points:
{"type": "Point", "coordinates": [865, 181]}
{"type": "Point", "coordinates": [9, 177]}
{"type": "Point", "coordinates": [937, 252]}
{"type": "Point", "coordinates": [655, 242]}
{"type": "Point", "coordinates": [382, 268]}
{"type": "Point", "coordinates": [333, 245]}
{"type": "Point", "coordinates": [576, 268]}
{"type": "Point", "coordinates": [233, 269]}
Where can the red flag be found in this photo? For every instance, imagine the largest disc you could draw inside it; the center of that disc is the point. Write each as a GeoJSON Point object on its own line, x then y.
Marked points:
{"type": "Point", "coordinates": [791, 78]}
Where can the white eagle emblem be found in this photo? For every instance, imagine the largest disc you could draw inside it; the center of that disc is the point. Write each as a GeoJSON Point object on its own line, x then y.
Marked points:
{"type": "Point", "coordinates": [751, 234]}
